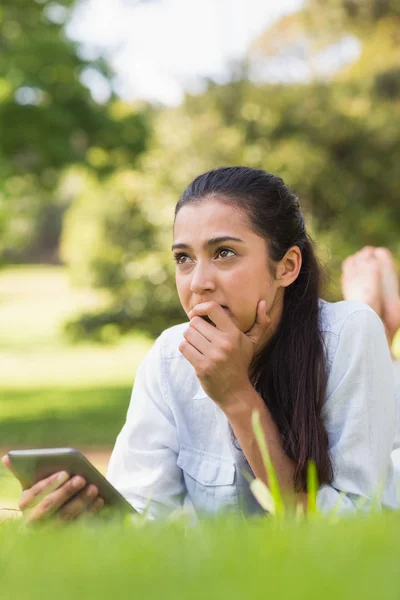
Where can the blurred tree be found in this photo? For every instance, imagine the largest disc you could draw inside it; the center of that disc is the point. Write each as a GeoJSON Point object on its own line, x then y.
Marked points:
{"type": "Point", "coordinates": [48, 120]}
{"type": "Point", "coordinates": [340, 15]}
{"type": "Point", "coordinates": [337, 150]}
{"type": "Point", "coordinates": [335, 139]}
{"type": "Point", "coordinates": [114, 238]}
{"type": "Point", "coordinates": [350, 115]}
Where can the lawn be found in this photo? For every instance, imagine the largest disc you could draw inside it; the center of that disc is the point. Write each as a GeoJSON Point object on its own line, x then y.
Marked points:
{"type": "Point", "coordinates": [53, 393]}
{"type": "Point", "coordinates": [222, 559]}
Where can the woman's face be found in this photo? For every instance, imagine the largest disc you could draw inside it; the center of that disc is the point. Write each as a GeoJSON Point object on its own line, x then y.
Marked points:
{"type": "Point", "coordinates": [220, 258]}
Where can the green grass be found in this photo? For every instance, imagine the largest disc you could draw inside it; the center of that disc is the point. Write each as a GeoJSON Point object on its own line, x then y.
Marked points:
{"type": "Point", "coordinates": [34, 302]}
{"type": "Point", "coordinates": [224, 558]}
{"type": "Point", "coordinates": [53, 393]}
{"type": "Point", "coordinates": [51, 390]}
{"type": "Point", "coordinates": [65, 416]}
{"type": "Point", "coordinates": [10, 491]}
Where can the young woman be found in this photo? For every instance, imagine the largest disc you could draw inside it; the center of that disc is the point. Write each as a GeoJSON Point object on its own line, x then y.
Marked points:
{"type": "Point", "coordinates": [258, 338]}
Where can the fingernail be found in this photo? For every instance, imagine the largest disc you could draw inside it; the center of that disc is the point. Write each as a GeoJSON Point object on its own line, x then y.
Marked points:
{"type": "Point", "coordinates": [62, 477]}
{"type": "Point", "coordinates": [99, 503]}
{"type": "Point", "coordinates": [78, 482]}
{"type": "Point", "coordinates": [92, 491]}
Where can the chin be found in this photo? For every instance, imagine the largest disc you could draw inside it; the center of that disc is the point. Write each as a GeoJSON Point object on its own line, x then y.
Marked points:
{"type": "Point", "coordinates": [243, 325]}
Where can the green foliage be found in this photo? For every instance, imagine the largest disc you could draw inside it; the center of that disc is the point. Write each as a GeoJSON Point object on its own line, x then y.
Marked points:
{"type": "Point", "coordinates": [341, 14]}
{"type": "Point", "coordinates": [113, 239]}
{"type": "Point", "coordinates": [336, 145]}
{"type": "Point", "coordinates": [48, 120]}
{"type": "Point", "coordinates": [335, 142]}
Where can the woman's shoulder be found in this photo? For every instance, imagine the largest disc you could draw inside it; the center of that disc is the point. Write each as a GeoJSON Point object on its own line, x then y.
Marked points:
{"type": "Point", "coordinates": [335, 317]}
{"type": "Point", "coordinates": [351, 326]}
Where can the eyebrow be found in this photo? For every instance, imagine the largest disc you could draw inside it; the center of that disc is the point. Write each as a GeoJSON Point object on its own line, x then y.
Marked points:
{"type": "Point", "coordinates": [210, 242]}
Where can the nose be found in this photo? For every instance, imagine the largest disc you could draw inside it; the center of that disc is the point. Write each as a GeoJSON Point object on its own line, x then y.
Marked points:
{"type": "Point", "coordinates": [202, 279]}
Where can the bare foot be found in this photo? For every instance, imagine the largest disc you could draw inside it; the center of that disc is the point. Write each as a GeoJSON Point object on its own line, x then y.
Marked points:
{"type": "Point", "coordinates": [390, 291]}
{"type": "Point", "coordinates": [361, 279]}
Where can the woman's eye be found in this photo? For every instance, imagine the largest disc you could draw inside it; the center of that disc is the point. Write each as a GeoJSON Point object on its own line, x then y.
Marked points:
{"type": "Point", "coordinates": [181, 259]}
{"type": "Point", "coordinates": [225, 252]}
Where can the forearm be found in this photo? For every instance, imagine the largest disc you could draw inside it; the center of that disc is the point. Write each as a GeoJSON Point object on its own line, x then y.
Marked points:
{"type": "Point", "coordinates": [239, 414]}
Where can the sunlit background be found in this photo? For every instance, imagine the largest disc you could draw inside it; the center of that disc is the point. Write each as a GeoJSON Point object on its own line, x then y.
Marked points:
{"type": "Point", "coordinates": [108, 109]}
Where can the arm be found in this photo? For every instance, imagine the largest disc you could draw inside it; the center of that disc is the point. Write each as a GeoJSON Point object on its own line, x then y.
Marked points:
{"type": "Point", "coordinates": [239, 415]}
{"type": "Point", "coordinates": [221, 356]}
{"type": "Point", "coordinates": [360, 414]}
{"type": "Point", "coordinates": [143, 465]}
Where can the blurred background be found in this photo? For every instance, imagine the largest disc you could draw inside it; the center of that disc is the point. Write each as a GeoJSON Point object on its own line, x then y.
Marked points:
{"type": "Point", "coordinates": [108, 109]}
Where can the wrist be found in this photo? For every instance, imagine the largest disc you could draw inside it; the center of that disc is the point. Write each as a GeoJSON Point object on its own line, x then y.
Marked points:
{"type": "Point", "coordinates": [243, 403]}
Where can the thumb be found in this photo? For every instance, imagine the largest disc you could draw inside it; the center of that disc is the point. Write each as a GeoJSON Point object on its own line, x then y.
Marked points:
{"type": "Point", "coordinates": [261, 323]}
{"type": "Point", "coordinates": [6, 461]}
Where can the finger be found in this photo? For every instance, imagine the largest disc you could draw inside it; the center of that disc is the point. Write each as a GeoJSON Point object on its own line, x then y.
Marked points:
{"type": "Point", "coordinates": [263, 319]}
{"type": "Point", "coordinates": [79, 503]}
{"type": "Point", "coordinates": [208, 331]}
{"type": "Point", "coordinates": [216, 313]}
{"type": "Point", "coordinates": [261, 323]}
{"type": "Point", "coordinates": [32, 496]}
{"type": "Point", "coordinates": [52, 502]}
{"type": "Point", "coordinates": [197, 340]}
{"type": "Point", "coordinates": [191, 353]}
{"type": "Point", "coordinates": [97, 506]}
{"type": "Point", "coordinates": [6, 461]}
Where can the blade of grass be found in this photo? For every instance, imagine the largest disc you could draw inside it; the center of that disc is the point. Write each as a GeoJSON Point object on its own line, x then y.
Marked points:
{"type": "Point", "coordinates": [269, 468]}
{"type": "Point", "coordinates": [312, 488]}
{"type": "Point", "coordinates": [263, 496]}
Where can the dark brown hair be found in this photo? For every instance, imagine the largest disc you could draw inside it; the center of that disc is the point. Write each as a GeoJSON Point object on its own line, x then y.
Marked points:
{"type": "Point", "coordinates": [289, 373]}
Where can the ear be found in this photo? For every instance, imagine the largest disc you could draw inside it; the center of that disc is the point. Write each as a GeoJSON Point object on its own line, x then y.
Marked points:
{"type": "Point", "coordinates": [288, 268]}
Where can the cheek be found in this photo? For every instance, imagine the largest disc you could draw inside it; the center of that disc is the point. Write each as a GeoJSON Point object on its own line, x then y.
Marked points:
{"type": "Point", "coordinates": [249, 292]}
{"type": "Point", "coordinates": [243, 302]}
{"type": "Point", "coordinates": [183, 291]}
{"type": "Point", "coordinates": [255, 285]}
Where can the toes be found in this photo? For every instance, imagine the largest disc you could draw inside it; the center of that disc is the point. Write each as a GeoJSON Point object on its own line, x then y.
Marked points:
{"type": "Point", "coordinates": [390, 282]}
{"type": "Point", "coordinates": [362, 253]}
{"type": "Point", "coordinates": [385, 258]}
{"type": "Point", "coordinates": [349, 264]}
{"type": "Point", "coordinates": [366, 253]}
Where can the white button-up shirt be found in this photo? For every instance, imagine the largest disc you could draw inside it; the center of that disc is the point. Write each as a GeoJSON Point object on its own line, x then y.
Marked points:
{"type": "Point", "coordinates": [177, 448]}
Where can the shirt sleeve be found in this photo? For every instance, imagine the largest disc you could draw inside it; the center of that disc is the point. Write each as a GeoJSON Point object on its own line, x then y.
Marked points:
{"type": "Point", "coordinates": [143, 466]}
{"type": "Point", "coordinates": [360, 414]}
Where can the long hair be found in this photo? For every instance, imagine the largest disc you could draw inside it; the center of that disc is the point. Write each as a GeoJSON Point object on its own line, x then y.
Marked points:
{"type": "Point", "coordinates": [289, 372]}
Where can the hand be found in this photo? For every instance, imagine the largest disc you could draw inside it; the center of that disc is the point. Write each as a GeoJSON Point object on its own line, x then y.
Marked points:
{"type": "Point", "coordinates": [60, 494]}
{"type": "Point", "coordinates": [221, 355]}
